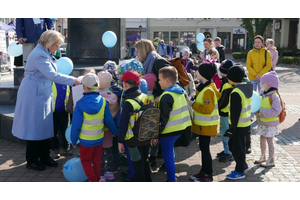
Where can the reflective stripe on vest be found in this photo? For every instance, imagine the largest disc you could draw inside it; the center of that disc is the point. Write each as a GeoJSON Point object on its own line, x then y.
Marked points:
{"type": "Point", "coordinates": [265, 106]}
{"type": "Point", "coordinates": [93, 125]}
{"type": "Point", "coordinates": [207, 119]}
{"type": "Point", "coordinates": [225, 87]}
{"type": "Point", "coordinates": [179, 116]}
{"type": "Point", "coordinates": [132, 119]}
{"type": "Point", "coordinates": [245, 116]}
{"type": "Point", "coordinates": [54, 96]}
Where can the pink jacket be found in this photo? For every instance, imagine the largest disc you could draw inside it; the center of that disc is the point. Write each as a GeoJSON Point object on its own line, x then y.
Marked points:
{"type": "Point", "coordinates": [275, 111]}
{"type": "Point", "coordinates": [274, 56]}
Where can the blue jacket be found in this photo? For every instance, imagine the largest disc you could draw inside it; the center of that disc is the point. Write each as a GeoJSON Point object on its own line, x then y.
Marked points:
{"type": "Point", "coordinates": [26, 28]}
{"type": "Point", "coordinates": [91, 103]}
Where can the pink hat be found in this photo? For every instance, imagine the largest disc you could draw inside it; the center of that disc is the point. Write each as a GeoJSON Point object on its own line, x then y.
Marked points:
{"type": "Point", "coordinates": [151, 79]}
{"type": "Point", "coordinates": [271, 79]}
{"type": "Point", "coordinates": [105, 79]}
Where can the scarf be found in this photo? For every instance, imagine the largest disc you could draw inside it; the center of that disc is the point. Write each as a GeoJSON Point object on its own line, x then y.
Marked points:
{"type": "Point", "coordinates": [171, 50]}
{"type": "Point", "coordinates": [148, 64]}
{"type": "Point", "coordinates": [163, 48]}
{"type": "Point", "coordinates": [269, 90]}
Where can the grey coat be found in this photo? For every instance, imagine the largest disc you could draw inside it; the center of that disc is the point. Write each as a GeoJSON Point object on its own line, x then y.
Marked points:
{"type": "Point", "coordinates": [33, 119]}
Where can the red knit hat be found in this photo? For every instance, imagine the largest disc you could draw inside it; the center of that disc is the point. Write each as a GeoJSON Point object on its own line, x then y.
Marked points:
{"type": "Point", "coordinates": [131, 75]}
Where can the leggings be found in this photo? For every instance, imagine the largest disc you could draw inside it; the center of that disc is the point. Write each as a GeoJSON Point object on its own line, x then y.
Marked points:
{"type": "Point", "coordinates": [263, 145]}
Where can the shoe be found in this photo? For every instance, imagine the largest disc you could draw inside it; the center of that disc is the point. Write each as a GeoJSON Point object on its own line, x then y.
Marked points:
{"type": "Point", "coordinates": [247, 168]}
{"type": "Point", "coordinates": [109, 176]}
{"type": "Point", "coordinates": [49, 162]}
{"type": "Point", "coordinates": [248, 150]}
{"type": "Point", "coordinates": [55, 154]}
{"type": "Point", "coordinates": [261, 160]}
{"type": "Point", "coordinates": [38, 166]}
{"type": "Point", "coordinates": [235, 175]}
{"type": "Point", "coordinates": [69, 151]}
{"type": "Point", "coordinates": [270, 163]}
{"type": "Point", "coordinates": [226, 158]}
{"type": "Point", "coordinates": [152, 161]}
{"type": "Point", "coordinates": [115, 170]}
{"type": "Point", "coordinates": [125, 174]}
{"type": "Point", "coordinates": [162, 167]}
{"type": "Point", "coordinates": [196, 176]}
{"type": "Point", "coordinates": [204, 179]}
{"type": "Point", "coordinates": [220, 154]}
{"type": "Point", "coordinates": [102, 179]}
{"type": "Point", "coordinates": [128, 179]}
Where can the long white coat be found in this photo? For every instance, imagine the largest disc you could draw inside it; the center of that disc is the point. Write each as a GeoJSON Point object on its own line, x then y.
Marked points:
{"type": "Point", "coordinates": [33, 118]}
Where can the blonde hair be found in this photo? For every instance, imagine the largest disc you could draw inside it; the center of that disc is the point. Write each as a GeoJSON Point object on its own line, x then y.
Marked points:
{"type": "Point", "coordinates": [270, 40]}
{"type": "Point", "coordinates": [51, 37]}
{"type": "Point", "coordinates": [212, 51]}
{"type": "Point", "coordinates": [88, 70]}
{"type": "Point", "coordinates": [144, 47]}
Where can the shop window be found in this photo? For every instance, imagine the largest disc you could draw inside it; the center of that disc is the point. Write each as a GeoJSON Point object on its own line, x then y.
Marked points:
{"type": "Point", "coordinates": [187, 38]}
{"type": "Point", "coordinates": [225, 37]}
{"type": "Point", "coordinates": [174, 37]}
{"type": "Point", "coordinates": [162, 36]}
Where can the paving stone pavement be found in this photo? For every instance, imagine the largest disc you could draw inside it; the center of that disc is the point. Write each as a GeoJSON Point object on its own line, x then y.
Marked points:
{"type": "Point", "coordinates": [188, 159]}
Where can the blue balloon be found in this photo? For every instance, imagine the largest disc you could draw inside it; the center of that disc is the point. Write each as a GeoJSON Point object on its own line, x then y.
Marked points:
{"type": "Point", "coordinates": [73, 171]}
{"type": "Point", "coordinates": [200, 46]}
{"type": "Point", "coordinates": [109, 39]}
{"type": "Point", "coordinates": [64, 65]}
{"type": "Point", "coordinates": [200, 37]}
{"type": "Point", "coordinates": [144, 86]}
{"type": "Point", "coordinates": [15, 49]}
{"type": "Point", "coordinates": [68, 134]}
{"type": "Point", "coordinates": [255, 102]}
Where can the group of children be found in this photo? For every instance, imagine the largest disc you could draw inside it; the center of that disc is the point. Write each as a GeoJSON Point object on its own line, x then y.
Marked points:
{"type": "Point", "coordinates": [104, 117]}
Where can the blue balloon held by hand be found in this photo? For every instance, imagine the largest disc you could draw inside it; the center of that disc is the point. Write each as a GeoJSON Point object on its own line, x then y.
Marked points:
{"type": "Point", "coordinates": [200, 37]}
{"type": "Point", "coordinates": [73, 171]}
{"type": "Point", "coordinates": [15, 49]}
{"type": "Point", "coordinates": [200, 46]}
{"type": "Point", "coordinates": [109, 39]}
{"type": "Point", "coordinates": [255, 102]}
{"type": "Point", "coordinates": [144, 86]}
{"type": "Point", "coordinates": [64, 65]}
{"type": "Point", "coordinates": [68, 134]}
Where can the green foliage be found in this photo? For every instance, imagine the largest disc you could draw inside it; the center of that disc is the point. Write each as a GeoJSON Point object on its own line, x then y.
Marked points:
{"type": "Point", "coordinates": [291, 60]}
{"type": "Point", "coordinates": [295, 50]}
{"type": "Point", "coordinates": [239, 55]}
{"type": "Point", "coordinates": [260, 25]}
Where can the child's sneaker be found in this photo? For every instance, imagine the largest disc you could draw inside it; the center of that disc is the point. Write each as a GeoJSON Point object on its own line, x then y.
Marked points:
{"type": "Point", "coordinates": [247, 168]}
{"type": "Point", "coordinates": [226, 158]}
{"type": "Point", "coordinates": [196, 176]}
{"type": "Point", "coordinates": [235, 175]}
{"type": "Point", "coordinates": [204, 179]}
{"type": "Point", "coordinates": [109, 176]}
{"type": "Point", "coordinates": [102, 179]}
{"type": "Point", "coordinates": [115, 170]}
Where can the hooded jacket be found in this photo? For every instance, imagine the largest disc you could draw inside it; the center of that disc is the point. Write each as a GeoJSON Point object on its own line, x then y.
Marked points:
{"type": "Point", "coordinates": [274, 56]}
{"type": "Point", "coordinates": [221, 50]}
{"type": "Point", "coordinates": [91, 103]}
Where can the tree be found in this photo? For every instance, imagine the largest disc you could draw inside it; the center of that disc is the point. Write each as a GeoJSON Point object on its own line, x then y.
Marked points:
{"type": "Point", "coordinates": [260, 25]}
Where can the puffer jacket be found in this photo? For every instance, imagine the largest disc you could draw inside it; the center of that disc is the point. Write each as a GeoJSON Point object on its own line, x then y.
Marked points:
{"type": "Point", "coordinates": [256, 62]}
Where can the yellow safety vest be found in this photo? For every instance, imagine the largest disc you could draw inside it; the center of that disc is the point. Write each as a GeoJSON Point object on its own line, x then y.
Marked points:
{"type": "Point", "coordinates": [265, 105]}
{"type": "Point", "coordinates": [245, 116]}
{"type": "Point", "coordinates": [179, 116]}
{"type": "Point", "coordinates": [225, 87]}
{"type": "Point", "coordinates": [207, 119]}
{"type": "Point", "coordinates": [151, 97]}
{"type": "Point", "coordinates": [132, 119]}
{"type": "Point", "coordinates": [93, 125]}
{"type": "Point", "coordinates": [54, 96]}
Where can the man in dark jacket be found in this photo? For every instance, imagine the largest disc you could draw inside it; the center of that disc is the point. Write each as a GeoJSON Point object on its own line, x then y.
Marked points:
{"type": "Point", "coordinates": [220, 48]}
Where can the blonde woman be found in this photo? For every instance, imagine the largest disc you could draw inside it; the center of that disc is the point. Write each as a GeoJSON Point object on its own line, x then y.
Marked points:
{"type": "Point", "coordinates": [33, 120]}
{"type": "Point", "coordinates": [273, 51]}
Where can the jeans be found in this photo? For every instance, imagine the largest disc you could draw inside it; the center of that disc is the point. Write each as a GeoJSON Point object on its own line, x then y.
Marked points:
{"type": "Point", "coordinates": [256, 84]}
{"type": "Point", "coordinates": [224, 125]}
{"type": "Point", "coordinates": [167, 147]}
{"type": "Point", "coordinates": [131, 169]}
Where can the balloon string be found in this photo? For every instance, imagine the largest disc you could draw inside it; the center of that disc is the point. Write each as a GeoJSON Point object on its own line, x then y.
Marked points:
{"type": "Point", "coordinates": [109, 53]}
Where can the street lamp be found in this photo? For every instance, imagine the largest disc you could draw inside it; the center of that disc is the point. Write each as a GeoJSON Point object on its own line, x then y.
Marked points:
{"type": "Point", "coordinates": [140, 27]}
{"type": "Point", "coordinates": [59, 28]}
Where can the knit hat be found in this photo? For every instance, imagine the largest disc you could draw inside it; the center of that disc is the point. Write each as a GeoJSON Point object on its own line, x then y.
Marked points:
{"type": "Point", "coordinates": [131, 75]}
{"type": "Point", "coordinates": [271, 79]}
{"type": "Point", "coordinates": [110, 65]}
{"type": "Point", "coordinates": [91, 80]}
{"type": "Point", "coordinates": [236, 73]}
{"type": "Point", "coordinates": [184, 51]}
{"type": "Point", "coordinates": [131, 65]}
{"type": "Point", "coordinates": [151, 79]}
{"type": "Point", "coordinates": [207, 70]}
{"type": "Point", "coordinates": [115, 75]}
{"type": "Point", "coordinates": [226, 64]}
{"type": "Point", "coordinates": [105, 79]}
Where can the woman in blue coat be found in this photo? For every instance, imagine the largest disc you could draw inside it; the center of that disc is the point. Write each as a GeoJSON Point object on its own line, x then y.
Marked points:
{"type": "Point", "coordinates": [33, 120]}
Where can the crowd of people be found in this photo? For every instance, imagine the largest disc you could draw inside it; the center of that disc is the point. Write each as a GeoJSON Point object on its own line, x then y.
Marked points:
{"type": "Point", "coordinates": [104, 118]}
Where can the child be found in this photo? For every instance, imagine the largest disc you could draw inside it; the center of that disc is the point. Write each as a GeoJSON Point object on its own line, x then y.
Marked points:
{"type": "Point", "coordinates": [105, 79]}
{"type": "Point", "coordinates": [190, 88]}
{"type": "Point", "coordinates": [90, 114]}
{"type": "Point", "coordinates": [174, 118]}
{"type": "Point", "coordinates": [267, 117]}
{"type": "Point", "coordinates": [239, 117]}
{"type": "Point", "coordinates": [188, 63]}
{"type": "Point", "coordinates": [206, 118]}
{"type": "Point", "coordinates": [138, 151]}
{"type": "Point", "coordinates": [212, 56]}
{"type": "Point", "coordinates": [225, 89]}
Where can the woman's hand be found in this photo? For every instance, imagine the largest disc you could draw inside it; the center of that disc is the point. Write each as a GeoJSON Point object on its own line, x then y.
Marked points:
{"type": "Point", "coordinates": [257, 77]}
{"type": "Point", "coordinates": [77, 82]}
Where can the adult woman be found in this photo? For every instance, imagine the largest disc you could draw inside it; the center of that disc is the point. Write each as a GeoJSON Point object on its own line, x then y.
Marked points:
{"type": "Point", "coordinates": [176, 52]}
{"type": "Point", "coordinates": [161, 48]}
{"type": "Point", "coordinates": [33, 120]}
{"type": "Point", "coordinates": [256, 63]}
{"type": "Point", "coordinates": [208, 44]}
{"type": "Point", "coordinates": [170, 49]}
{"type": "Point", "coordinates": [151, 61]}
{"type": "Point", "coordinates": [273, 51]}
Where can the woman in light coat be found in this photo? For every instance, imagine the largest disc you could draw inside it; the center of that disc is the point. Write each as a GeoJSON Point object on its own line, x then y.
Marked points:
{"type": "Point", "coordinates": [33, 119]}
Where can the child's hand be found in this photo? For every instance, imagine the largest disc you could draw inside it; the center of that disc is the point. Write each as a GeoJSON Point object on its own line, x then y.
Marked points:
{"type": "Point", "coordinates": [154, 142]}
{"type": "Point", "coordinates": [121, 148]}
{"type": "Point", "coordinates": [260, 115]}
{"type": "Point", "coordinates": [74, 146]}
{"type": "Point", "coordinates": [191, 102]}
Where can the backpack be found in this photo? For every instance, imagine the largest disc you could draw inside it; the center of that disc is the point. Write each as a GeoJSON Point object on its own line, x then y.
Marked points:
{"type": "Point", "coordinates": [182, 73]}
{"type": "Point", "coordinates": [146, 126]}
{"type": "Point", "coordinates": [282, 114]}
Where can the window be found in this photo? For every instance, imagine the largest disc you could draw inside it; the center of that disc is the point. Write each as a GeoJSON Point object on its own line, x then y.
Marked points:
{"type": "Point", "coordinates": [174, 18]}
{"type": "Point", "coordinates": [225, 37]}
{"type": "Point", "coordinates": [187, 38]}
{"type": "Point", "coordinates": [238, 18]}
{"type": "Point", "coordinates": [162, 36]}
{"type": "Point", "coordinates": [190, 18]}
{"type": "Point", "coordinates": [207, 18]}
{"type": "Point", "coordinates": [225, 19]}
{"type": "Point", "coordinates": [174, 37]}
